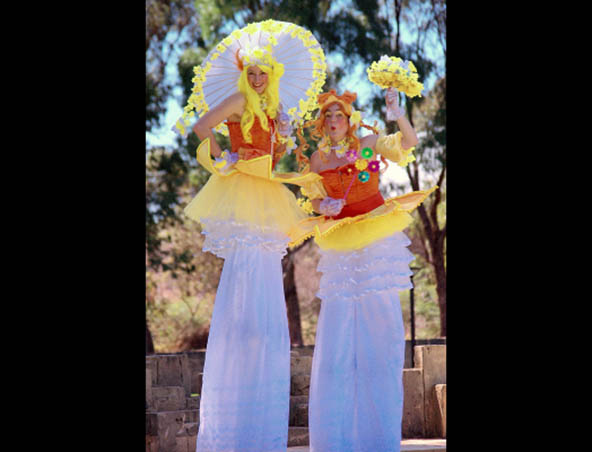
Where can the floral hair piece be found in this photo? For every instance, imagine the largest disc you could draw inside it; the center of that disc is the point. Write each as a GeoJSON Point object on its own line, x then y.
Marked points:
{"type": "Point", "coordinates": [345, 100]}
{"type": "Point", "coordinates": [355, 117]}
{"type": "Point", "coordinates": [258, 56]}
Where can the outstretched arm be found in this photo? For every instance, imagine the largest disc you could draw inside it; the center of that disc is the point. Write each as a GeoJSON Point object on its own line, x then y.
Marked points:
{"type": "Point", "coordinates": [234, 104]}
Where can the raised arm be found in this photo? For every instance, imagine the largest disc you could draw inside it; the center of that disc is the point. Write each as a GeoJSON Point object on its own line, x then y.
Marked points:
{"type": "Point", "coordinates": [394, 112]}
{"type": "Point", "coordinates": [396, 147]}
{"type": "Point", "coordinates": [232, 105]}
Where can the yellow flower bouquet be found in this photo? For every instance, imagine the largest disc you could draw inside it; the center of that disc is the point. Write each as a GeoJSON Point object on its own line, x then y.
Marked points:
{"type": "Point", "coordinates": [394, 72]}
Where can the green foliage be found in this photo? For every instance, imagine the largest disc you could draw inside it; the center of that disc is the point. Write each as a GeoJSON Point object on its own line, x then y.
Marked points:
{"type": "Point", "coordinates": [210, 17]}
{"type": "Point", "coordinates": [426, 312]}
{"type": "Point", "coordinates": [155, 103]}
{"type": "Point", "coordinates": [169, 23]}
{"type": "Point", "coordinates": [181, 291]}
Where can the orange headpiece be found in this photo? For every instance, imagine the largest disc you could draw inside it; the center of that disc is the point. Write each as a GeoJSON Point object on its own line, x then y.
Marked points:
{"type": "Point", "coordinates": [345, 100]}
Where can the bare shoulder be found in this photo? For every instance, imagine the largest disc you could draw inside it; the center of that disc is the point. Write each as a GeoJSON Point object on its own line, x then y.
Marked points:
{"type": "Point", "coordinates": [232, 107]}
{"type": "Point", "coordinates": [369, 141]}
{"type": "Point", "coordinates": [315, 161]}
{"type": "Point", "coordinates": [237, 101]}
{"type": "Point", "coordinates": [229, 109]}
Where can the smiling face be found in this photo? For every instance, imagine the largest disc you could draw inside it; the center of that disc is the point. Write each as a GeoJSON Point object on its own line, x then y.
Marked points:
{"type": "Point", "coordinates": [257, 79]}
{"type": "Point", "coordinates": [336, 122]}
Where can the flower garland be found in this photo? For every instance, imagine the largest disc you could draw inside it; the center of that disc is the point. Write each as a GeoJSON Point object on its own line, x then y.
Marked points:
{"type": "Point", "coordinates": [305, 205]}
{"type": "Point", "coordinates": [395, 72]}
{"type": "Point", "coordinates": [263, 101]}
{"type": "Point", "coordinates": [288, 140]}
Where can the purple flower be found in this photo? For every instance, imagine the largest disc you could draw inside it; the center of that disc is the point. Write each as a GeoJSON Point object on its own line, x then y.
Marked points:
{"type": "Point", "coordinates": [374, 166]}
{"type": "Point", "coordinates": [351, 155]}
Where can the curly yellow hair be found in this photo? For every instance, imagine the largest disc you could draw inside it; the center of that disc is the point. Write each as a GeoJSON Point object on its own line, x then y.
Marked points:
{"type": "Point", "coordinates": [317, 132]}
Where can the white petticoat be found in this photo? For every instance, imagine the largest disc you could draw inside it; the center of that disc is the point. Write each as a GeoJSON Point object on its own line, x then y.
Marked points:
{"type": "Point", "coordinates": [246, 382]}
{"type": "Point", "coordinates": [356, 391]}
{"type": "Point", "coordinates": [224, 237]}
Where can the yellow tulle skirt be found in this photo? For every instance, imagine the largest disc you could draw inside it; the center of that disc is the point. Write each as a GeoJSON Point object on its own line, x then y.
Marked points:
{"type": "Point", "coordinates": [248, 195]}
{"type": "Point", "coordinates": [248, 200]}
{"type": "Point", "coordinates": [353, 233]}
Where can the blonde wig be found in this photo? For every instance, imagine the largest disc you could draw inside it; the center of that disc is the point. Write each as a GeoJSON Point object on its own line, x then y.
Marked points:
{"type": "Point", "coordinates": [253, 99]}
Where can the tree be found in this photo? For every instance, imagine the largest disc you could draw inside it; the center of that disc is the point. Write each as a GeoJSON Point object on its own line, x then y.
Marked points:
{"type": "Point", "coordinates": [168, 24]}
{"type": "Point", "coordinates": [433, 229]}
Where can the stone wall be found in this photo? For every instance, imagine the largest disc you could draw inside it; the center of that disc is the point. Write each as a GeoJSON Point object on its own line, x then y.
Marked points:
{"type": "Point", "coordinates": [173, 385]}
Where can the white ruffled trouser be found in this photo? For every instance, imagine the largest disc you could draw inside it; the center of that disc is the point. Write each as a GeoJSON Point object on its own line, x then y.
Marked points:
{"type": "Point", "coordinates": [356, 391]}
{"type": "Point", "coordinates": [245, 396]}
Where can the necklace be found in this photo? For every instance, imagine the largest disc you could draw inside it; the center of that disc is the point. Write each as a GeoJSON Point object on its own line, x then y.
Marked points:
{"type": "Point", "coordinates": [340, 148]}
{"type": "Point", "coordinates": [263, 101]}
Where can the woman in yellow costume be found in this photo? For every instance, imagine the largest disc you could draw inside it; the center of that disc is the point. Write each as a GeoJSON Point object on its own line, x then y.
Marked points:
{"type": "Point", "coordinates": [356, 392]}
{"type": "Point", "coordinates": [246, 214]}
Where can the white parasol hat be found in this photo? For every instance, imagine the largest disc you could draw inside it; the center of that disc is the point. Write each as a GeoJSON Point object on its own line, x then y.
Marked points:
{"type": "Point", "coordinates": [269, 42]}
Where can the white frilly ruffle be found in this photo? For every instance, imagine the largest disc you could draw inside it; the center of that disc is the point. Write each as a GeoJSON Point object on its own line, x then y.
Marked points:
{"type": "Point", "coordinates": [356, 386]}
{"type": "Point", "coordinates": [354, 275]}
{"type": "Point", "coordinates": [223, 237]}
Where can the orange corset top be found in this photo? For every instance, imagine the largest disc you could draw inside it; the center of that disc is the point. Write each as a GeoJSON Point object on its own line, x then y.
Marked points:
{"type": "Point", "coordinates": [362, 197]}
{"type": "Point", "coordinates": [260, 140]}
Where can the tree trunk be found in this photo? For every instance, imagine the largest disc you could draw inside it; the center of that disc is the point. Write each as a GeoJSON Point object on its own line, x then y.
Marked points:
{"type": "Point", "coordinates": [292, 305]}
{"type": "Point", "coordinates": [435, 247]}
{"type": "Point", "coordinates": [149, 342]}
{"type": "Point", "coordinates": [440, 271]}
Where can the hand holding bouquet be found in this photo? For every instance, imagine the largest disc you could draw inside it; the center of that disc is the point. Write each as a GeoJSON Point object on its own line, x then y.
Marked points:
{"type": "Point", "coordinates": [393, 72]}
